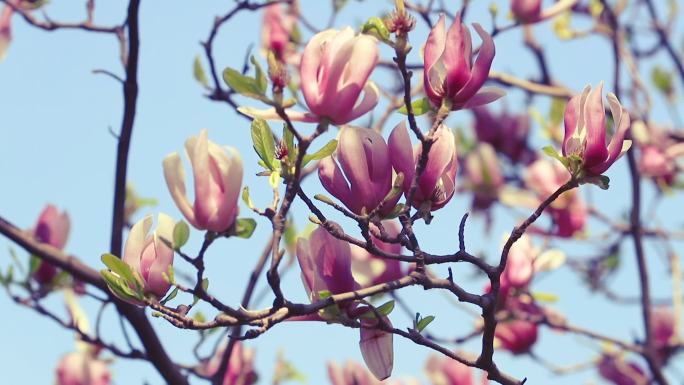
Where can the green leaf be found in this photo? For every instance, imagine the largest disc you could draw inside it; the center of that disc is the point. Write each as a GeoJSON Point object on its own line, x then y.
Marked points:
{"type": "Point", "coordinates": [121, 269]}
{"type": "Point", "coordinates": [34, 265]}
{"type": "Point", "coordinates": [274, 179]}
{"type": "Point", "coordinates": [288, 139]}
{"type": "Point", "coordinates": [384, 310]}
{"type": "Point", "coordinates": [198, 72]}
{"type": "Point", "coordinates": [420, 107]}
{"type": "Point", "coordinates": [244, 227]}
{"type": "Point", "coordinates": [557, 111]}
{"type": "Point", "coordinates": [662, 80]}
{"type": "Point", "coordinates": [243, 85]}
{"type": "Point", "coordinates": [324, 199]}
{"type": "Point", "coordinates": [324, 294]}
{"type": "Point", "coordinates": [264, 144]}
{"type": "Point", "coordinates": [424, 322]}
{"type": "Point", "coordinates": [395, 211]}
{"type": "Point", "coordinates": [118, 286]}
{"type": "Point", "coordinates": [171, 296]}
{"type": "Point", "coordinates": [181, 234]}
{"type": "Point", "coordinates": [325, 151]}
{"type": "Point", "coordinates": [261, 80]}
{"type": "Point", "coordinates": [375, 26]}
{"type": "Point", "coordinates": [601, 181]}
{"type": "Point", "coordinates": [246, 198]}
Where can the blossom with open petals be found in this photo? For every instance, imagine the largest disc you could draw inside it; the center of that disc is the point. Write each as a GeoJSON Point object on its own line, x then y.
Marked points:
{"type": "Point", "coordinates": [448, 72]}
{"type": "Point", "coordinates": [585, 130]}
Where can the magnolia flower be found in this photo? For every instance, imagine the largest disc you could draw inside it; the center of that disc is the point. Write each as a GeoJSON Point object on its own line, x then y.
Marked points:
{"type": "Point", "coordinates": [484, 175]}
{"type": "Point", "coordinates": [81, 368]}
{"type": "Point", "coordinates": [507, 133]}
{"type": "Point", "coordinates": [530, 11]}
{"type": "Point", "coordinates": [369, 269]}
{"type": "Point", "coordinates": [52, 228]}
{"type": "Point", "coordinates": [276, 28]}
{"type": "Point", "coordinates": [519, 265]}
{"type": "Point", "coordinates": [363, 177]}
{"type": "Point", "coordinates": [585, 130]}
{"type": "Point", "coordinates": [352, 373]}
{"type": "Point", "coordinates": [663, 330]}
{"type": "Point", "coordinates": [445, 371]}
{"type": "Point", "coordinates": [5, 29]}
{"type": "Point", "coordinates": [516, 336]}
{"type": "Point", "coordinates": [149, 255]}
{"type": "Point", "coordinates": [325, 262]}
{"type": "Point", "coordinates": [217, 175]}
{"type": "Point", "coordinates": [334, 71]}
{"type": "Point", "coordinates": [377, 350]}
{"type": "Point", "coordinates": [621, 372]}
{"type": "Point", "coordinates": [240, 369]}
{"type": "Point", "coordinates": [569, 213]}
{"type": "Point", "coordinates": [448, 73]}
{"type": "Point", "coordinates": [436, 184]}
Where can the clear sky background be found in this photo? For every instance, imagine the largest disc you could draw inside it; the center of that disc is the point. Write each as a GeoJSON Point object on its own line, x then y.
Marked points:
{"type": "Point", "coordinates": [55, 146]}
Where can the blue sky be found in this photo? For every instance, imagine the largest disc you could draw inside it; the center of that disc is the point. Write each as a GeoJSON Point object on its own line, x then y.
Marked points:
{"type": "Point", "coordinates": [56, 147]}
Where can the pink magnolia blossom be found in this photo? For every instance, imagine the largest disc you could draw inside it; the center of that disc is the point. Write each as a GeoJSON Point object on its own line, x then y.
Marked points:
{"type": "Point", "coordinates": [217, 175]}
{"type": "Point", "coordinates": [363, 177]}
{"type": "Point", "coordinates": [81, 368]}
{"type": "Point", "coordinates": [369, 269]}
{"type": "Point", "coordinates": [5, 29]}
{"type": "Point", "coordinates": [445, 371]}
{"type": "Point", "coordinates": [276, 28]}
{"type": "Point", "coordinates": [377, 350]}
{"type": "Point", "coordinates": [569, 213]}
{"type": "Point", "coordinates": [484, 176]}
{"type": "Point", "coordinates": [519, 265]}
{"type": "Point", "coordinates": [659, 161]}
{"type": "Point", "coordinates": [516, 336]}
{"type": "Point", "coordinates": [530, 11]}
{"type": "Point", "coordinates": [325, 262]}
{"type": "Point", "coordinates": [52, 228]}
{"type": "Point", "coordinates": [585, 130]}
{"type": "Point", "coordinates": [334, 70]}
{"type": "Point", "coordinates": [240, 369]}
{"type": "Point", "coordinates": [149, 256]}
{"type": "Point", "coordinates": [352, 373]}
{"type": "Point", "coordinates": [506, 132]}
{"type": "Point", "coordinates": [620, 372]}
{"type": "Point", "coordinates": [448, 72]}
{"type": "Point", "coordinates": [663, 329]}
{"type": "Point", "coordinates": [437, 183]}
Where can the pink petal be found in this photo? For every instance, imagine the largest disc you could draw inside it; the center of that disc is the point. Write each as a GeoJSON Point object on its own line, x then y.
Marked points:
{"type": "Point", "coordinates": [595, 152]}
{"type": "Point", "coordinates": [174, 175]}
{"type": "Point", "coordinates": [480, 70]}
{"type": "Point", "coordinates": [401, 153]}
{"type": "Point", "coordinates": [371, 95]}
{"type": "Point", "coordinates": [334, 182]}
{"type": "Point", "coordinates": [136, 242]}
{"type": "Point", "coordinates": [271, 114]}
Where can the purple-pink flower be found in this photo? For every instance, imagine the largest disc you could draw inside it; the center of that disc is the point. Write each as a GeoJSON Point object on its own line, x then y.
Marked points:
{"type": "Point", "coordinates": [516, 336]}
{"type": "Point", "coordinates": [6, 26]}
{"type": "Point", "coordinates": [276, 28]}
{"type": "Point", "coordinates": [620, 372]}
{"type": "Point", "coordinates": [51, 228]}
{"type": "Point", "coordinates": [484, 176]}
{"type": "Point", "coordinates": [506, 132]}
{"type": "Point", "coordinates": [149, 255]}
{"type": "Point", "coordinates": [362, 175]}
{"type": "Point", "coordinates": [217, 173]}
{"type": "Point", "coordinates": [569, 213]}
{"type": "Point", "coordinates": [240, 369]}
{"type": "Point", "coordinates": [446, 371]}
{"type": "Point", "coordinates": [585, 130]}
{"type": "Point", "coordinates": [334, 71]}
{"type": "Point", "coordinates": [437, 183]}
{"type": "Point", "coordinates": [81, 368]}
{"type": "Point", "coordinates": [325, 262]}
{"type": "Point", "coordinates": [448, 72]}
{"type": "Point", "coordinates": [530, 11]}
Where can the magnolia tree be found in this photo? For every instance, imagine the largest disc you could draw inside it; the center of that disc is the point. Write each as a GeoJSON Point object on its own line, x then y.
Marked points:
{"type": "Point", "coordinates": [358, 133]}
